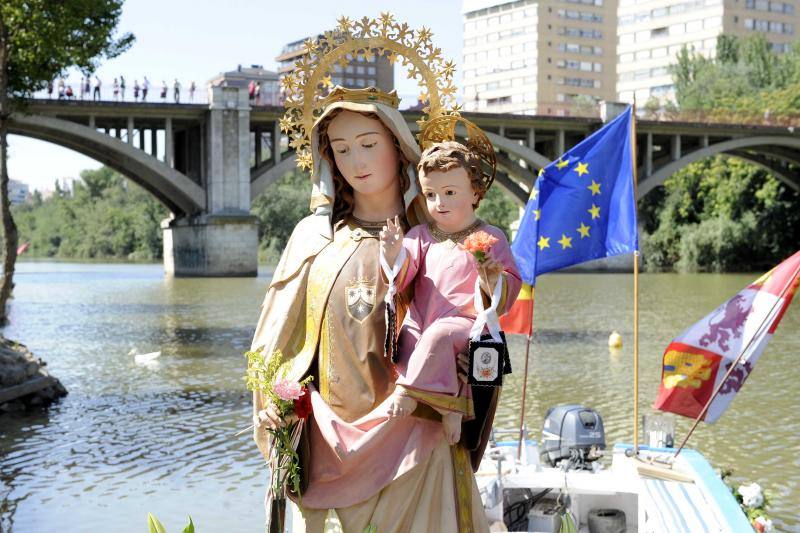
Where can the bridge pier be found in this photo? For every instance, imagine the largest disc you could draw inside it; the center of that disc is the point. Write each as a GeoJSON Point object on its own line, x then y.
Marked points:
{"type": "Point", "coordinates": [211, 246]}
{"type": "Point", "coordinates": [223, 240]}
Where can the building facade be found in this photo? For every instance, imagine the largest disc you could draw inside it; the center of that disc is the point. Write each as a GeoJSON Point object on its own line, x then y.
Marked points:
{"type": "Point", "coordinates": [651, 33]}
{"type": "Point", "coordinates": [360, 72]}
{"type": "Point", "coordinates": [538, 57]}
{"type": "Point", "coordinates": [18, 192]}
{"type": "Point", "coordinates": [242, 76]}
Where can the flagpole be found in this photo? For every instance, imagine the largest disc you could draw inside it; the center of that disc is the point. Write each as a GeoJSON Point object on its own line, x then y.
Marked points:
{"type": "Point", "coordinates": [635, 293]}
{"type": "Point", "coordinates": [736, 362]}
{"type": "Point", "coordinates": [525, 381]}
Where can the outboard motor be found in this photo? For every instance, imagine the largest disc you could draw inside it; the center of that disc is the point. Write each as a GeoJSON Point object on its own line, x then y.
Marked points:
{"type": "Point", "coordinates": [573, 433]}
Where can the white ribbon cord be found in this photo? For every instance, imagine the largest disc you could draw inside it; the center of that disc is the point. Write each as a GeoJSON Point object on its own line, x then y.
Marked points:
{"type": "Point", "coordinates": [487, 316]}
{"type": "Point", "coordinates": [391, 273]}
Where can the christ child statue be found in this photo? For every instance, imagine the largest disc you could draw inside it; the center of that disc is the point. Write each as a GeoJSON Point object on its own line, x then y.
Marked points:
{"type": "Point", "coordinates": [432, 257]}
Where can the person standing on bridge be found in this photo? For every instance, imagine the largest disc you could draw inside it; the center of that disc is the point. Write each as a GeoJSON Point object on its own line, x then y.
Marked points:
{"type": "Point", "coordinates": [50, 89]}
{"type": "Point", "coordinates": [122, 88]}
{"type": "Point", "coordinates": [135, 90]}
{"type": "Point", "coordinates": [192, 88]}
{"type": "Point", "coordinates": [87, 88]}
{"type": "Point", "coordinates": [163, 91]}
{"type": "Point", "coordinates": [176, 89]}
{"type": "Point", "coordinates": [82, 87]}
{"type": "Point", "coordinates": [145, 86]}
{"type": "Point", "coordinates": [96, 90]}
{"type": "Point", "coordinates": [258, 93]}
{"type": "Point", "coordinates": [61, 88]}
{"type": "Point", "coordinates": [116, 90]}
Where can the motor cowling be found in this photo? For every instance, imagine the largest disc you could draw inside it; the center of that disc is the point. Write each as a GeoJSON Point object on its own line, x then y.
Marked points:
{"type": "Point", "coordinates": [572, 433]}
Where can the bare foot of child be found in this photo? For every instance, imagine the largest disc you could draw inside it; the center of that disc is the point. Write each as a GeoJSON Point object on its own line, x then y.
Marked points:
{"type": "Point", "coordinates": [452, 427]}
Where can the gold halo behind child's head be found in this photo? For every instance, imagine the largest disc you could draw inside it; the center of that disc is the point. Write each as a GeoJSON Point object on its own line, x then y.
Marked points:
{"type": "Point", "coordinates": [443, 128]}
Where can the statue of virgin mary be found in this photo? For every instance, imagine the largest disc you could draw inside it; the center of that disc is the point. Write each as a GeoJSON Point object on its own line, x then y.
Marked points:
{"type": "Point", "coordinates": [324, 315]}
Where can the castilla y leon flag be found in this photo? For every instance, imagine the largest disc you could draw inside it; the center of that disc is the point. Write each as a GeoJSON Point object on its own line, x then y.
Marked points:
{"type": "Point", "coordinates": [519, 318]}
{"type": "Point", "coordinates": [696, 362]}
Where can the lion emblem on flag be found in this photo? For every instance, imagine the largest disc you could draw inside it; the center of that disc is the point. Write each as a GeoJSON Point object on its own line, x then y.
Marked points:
{"type": "Point", "coordinates": [734, 315]}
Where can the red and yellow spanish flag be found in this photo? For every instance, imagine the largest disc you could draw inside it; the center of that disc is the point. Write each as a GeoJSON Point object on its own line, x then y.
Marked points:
{"type": "Point", "coordinates": [519, 319]}
{"type": "Point", "coordinates": [698, 361]}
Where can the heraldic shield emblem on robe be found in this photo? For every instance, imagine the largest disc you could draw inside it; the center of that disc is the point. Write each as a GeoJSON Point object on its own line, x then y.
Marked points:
{"type": "Point", "coordinates": [360, 298]}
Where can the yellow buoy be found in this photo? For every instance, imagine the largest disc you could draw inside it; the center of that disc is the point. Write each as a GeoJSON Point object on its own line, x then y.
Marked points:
{"type": "Point", "coordinates": [615, 340]}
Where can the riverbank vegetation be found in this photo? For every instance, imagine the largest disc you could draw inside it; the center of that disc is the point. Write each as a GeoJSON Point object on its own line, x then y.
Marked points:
{"type": "Point", "coordinates": [724, 214]}
{"type": "Point", "coordinates": [103, 216]}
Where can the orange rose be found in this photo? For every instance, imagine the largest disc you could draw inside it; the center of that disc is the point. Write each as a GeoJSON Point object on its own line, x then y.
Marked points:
{"type": "Point", "coordinates": [479, 244]}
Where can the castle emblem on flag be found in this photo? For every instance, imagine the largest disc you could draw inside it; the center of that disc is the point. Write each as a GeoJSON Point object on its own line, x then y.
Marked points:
{"type": "Point", "coordinates": [682, 369]}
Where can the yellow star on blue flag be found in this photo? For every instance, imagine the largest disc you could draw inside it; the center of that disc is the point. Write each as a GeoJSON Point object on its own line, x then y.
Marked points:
{"type": "Point", "coordinates": [586, 198]}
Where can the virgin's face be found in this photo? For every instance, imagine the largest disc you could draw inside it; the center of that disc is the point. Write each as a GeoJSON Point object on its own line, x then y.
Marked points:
{"type": "Point", "coordinates": [365, 154]}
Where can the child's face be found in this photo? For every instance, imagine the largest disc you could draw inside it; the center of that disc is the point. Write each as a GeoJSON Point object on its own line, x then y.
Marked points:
{"type": "Point", "coordinates": [449, 196]}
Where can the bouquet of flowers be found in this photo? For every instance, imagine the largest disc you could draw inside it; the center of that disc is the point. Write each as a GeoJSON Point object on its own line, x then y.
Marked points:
{"type": "Point", "coordinates": [292, 400]}
{"type": "Point", "coordinates": [479, 244]}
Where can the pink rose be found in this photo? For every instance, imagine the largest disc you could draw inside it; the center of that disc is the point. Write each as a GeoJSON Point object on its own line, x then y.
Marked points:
{"type": "Point", "coordinates": [288, 390]}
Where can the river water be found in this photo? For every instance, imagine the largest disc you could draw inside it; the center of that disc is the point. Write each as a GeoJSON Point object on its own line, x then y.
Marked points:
{"type": "Point", "coordinates": [131, 439]}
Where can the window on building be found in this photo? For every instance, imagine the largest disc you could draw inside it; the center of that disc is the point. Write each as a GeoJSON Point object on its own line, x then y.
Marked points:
{"type": "Point", "coordinates": [659, 32]}
{"type": "Point", "coordinates": [691, 27]}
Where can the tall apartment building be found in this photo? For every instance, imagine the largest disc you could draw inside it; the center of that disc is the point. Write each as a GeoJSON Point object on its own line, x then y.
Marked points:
{"type": "Point", "coordinates": [361, 72]}
{"type": "Point", "coordinates": [651, 33]}
{"type": "Point", "coordinates": [538, 56]}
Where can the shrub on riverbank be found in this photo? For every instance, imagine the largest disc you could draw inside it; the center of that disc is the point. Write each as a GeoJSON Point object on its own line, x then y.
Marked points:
{"type": "Point", "coordinates": [720, 215]}
{"type": "Point", "coordinates": [104, 216]}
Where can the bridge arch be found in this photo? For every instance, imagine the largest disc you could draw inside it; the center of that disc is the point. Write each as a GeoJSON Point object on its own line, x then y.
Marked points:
{"type": "Point", "coordinates": [172, 188]}
{"type": "Point", "coordinates": [263, 177]}
{"type": "Point", "coordinates": [735, 148]}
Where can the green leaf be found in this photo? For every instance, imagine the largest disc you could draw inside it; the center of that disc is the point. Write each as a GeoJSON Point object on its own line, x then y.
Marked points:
{"type": "Point", "coordinates": [190, 527]}
{"type": "Point", "coordinates": [154, 525]}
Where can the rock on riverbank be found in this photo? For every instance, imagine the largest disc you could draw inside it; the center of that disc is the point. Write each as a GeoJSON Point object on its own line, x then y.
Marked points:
{"type": "Point", "coordinates": [24, 382]}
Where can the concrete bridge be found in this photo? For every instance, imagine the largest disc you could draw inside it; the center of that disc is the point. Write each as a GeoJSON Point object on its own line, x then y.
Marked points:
{"type": "Point", "coordinates": [207, 162]}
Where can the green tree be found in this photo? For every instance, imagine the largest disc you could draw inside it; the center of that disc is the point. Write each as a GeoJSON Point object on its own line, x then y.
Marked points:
{"type": "Point", "coordinates": [279, 210]}
{"type": "Point", "coordinates": [499, 209]}
{"type": "Point", "coordinates": [40, 39]}
{"type": "Point", "coordinates": [727, 49]}
{"type": "Point", "coordinates": [104, 217]}
{"type": "Point", "coordinates": [723, 213]}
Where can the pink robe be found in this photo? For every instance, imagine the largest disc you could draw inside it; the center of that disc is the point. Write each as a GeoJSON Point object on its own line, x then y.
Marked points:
{"type": "Point", "coordinates": [352, 460]}
{"type": "Point", "coordinates": [442, 312]}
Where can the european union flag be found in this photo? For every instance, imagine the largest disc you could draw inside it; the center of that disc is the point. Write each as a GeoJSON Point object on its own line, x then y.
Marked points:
{"type": "Point", "coordinates": [582, 206]}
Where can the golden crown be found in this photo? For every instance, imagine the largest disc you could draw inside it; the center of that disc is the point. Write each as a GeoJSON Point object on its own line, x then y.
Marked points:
{"type": "Point", "coordinates": [366, 38]}
{"type": "Point", "coordinates": [367, 95]}
{"type": "Point", "coordinates": [443, 128]}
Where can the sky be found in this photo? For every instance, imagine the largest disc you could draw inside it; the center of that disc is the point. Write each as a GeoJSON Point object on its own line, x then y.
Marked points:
{"type": "Point", "coordinates": [195, 40]}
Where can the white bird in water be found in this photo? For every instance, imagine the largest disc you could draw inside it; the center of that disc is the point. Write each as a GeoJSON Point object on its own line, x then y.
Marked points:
{"type": "Point", "coordinates": [145, 358]}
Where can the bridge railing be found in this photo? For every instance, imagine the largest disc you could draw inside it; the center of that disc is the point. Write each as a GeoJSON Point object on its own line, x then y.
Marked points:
{"type": "Point", "coordinates": [724, 116]}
